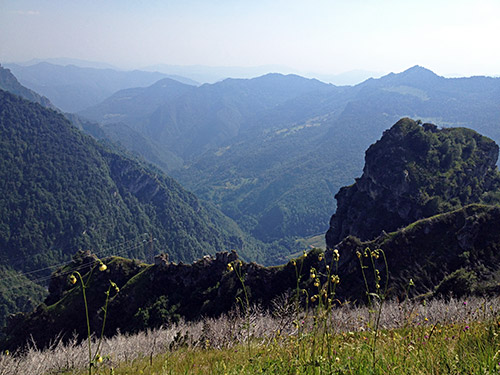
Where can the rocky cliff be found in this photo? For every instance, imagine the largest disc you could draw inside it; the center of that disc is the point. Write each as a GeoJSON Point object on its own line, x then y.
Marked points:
{"type": "Point", "coordinates": [453, 253]}
{"type": "Point", "coordinates": [415, 171]}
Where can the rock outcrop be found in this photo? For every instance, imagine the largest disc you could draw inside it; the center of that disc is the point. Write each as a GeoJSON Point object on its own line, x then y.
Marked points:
{"type": "Point", "coordinates": [455, 253]}
{"type": "Point", "coordinates": [415, 171]}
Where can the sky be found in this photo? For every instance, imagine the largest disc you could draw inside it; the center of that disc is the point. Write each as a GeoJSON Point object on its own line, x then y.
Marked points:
{"type": "Point", "coordinates": [450, 37]}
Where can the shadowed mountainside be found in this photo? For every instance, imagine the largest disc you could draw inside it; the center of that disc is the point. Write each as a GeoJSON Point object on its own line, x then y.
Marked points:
{"type": "Point", "coordinates": [61, 191]}
{"type": "Point", "coordinates": [413, 172]}
{"type": "Point", "coordinates": [455, 252]}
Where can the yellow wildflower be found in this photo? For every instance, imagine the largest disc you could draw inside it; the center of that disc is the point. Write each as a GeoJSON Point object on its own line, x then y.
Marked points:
{"type": "Point", "coordinates": [103, 267]}
{"type": "Point", "coordinates": [230, 267]}
{"type": "Point", "coordinates": [336, 255]}
{"type": "Point", "coordinates": [114, 286]}
{"type": "Point", "coordinates": [72, 279]}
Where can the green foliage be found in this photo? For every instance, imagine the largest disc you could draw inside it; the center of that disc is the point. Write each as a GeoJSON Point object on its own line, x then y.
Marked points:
{"type": "Point", "coordinates": [272, 152]}
{"type": "Point", "coordinates": [455, 252]}
{"type": "Point", "coordinates": [159, 313]}
{"type": "Point", "coordinates": [416, 171]}
{"type": "Point", "coordinates": [61, 191]}
{"type": "Point", "coordinates": [459, 283]}
{"type": "Point", "coordinates": [17, 293]}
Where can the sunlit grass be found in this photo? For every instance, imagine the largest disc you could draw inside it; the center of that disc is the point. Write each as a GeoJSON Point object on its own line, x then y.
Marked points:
{"type": "Point", "coordinates": [434, 337]}
{"type": "Point", "coordinates": [424, 349]}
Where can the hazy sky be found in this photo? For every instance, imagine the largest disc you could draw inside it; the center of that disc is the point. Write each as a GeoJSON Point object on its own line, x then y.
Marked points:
{"type": "Point", "coordinates": [450, 37]}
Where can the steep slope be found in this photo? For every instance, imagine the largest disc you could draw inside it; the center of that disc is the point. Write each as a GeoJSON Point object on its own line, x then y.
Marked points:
{"type": "Point", "coordinates": [60, 191]}
{"type": "Point", "coordinates": [9, 82]}
{"type": "Point", "coordinates": [73, 88]}
{"type": "Point", "coordinates": [413, 172]}
{"type": "Point", "coordinates": [453, 253]}
{"type": "Point", "coordinates": [133, 106]}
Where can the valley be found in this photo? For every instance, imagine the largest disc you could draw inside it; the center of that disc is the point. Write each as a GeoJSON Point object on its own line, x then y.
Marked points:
{"type": "Point", "coordinates": [262, 166]}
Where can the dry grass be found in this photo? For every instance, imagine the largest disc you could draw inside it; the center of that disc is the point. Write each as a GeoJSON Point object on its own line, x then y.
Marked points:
{"type": "Point", "coordinates": [230, 331]}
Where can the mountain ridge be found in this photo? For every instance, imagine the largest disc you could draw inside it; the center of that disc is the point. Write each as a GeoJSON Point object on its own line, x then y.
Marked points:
{"type": "Point", "coordinates": [62, 191]}
{"type": "Point", "coordinates": [326, 128]}
{"type": "Point", "coordinates": [451, 254]}
{"type": "Point", "coordinates": [73, 88]}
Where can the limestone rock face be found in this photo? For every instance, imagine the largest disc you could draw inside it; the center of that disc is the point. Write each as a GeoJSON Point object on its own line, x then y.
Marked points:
{"type": "Point", "coordinates": [415, 171]}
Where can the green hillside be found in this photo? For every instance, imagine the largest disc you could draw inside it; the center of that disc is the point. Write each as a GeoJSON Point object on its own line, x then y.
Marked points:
{"type": "Point", "coordinates": [60, 191]}
{"type": "Point", "coordinates": [272, 152]}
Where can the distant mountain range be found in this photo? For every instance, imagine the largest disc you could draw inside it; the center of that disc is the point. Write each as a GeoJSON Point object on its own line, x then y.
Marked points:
{"type": "Point", "coordinates": [10, 83]}
{"type": "Point", "coordinates": [73, 88]}
{"type": "Point", "coordinates": [272, 151]}
{"type": "Point", "coordinates": [213, 74]}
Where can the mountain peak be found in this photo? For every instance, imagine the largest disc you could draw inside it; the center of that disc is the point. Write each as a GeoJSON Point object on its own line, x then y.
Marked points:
{"type": "Point", "coordinates": [418, 70]}
{"type": "Point", "coordinates": [414, 76]}
{"type": "Point", "coordinates": [414, 171]}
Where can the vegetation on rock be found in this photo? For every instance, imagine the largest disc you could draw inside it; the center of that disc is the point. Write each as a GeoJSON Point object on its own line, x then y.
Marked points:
{"type": "Point", "coordinates": [416, 171]}
{"type": "Point", "coordinates": [437, 253]}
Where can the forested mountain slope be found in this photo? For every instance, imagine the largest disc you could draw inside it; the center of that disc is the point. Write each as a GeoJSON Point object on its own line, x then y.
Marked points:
{"type": "Point", "coordinates": [190, 120]}
{"type": "Point", "coordinates": [306, 162]}
{"type": "Point", "coordinates": [61, 191]}
{"type": "Point", "coordinates": [272, 152]}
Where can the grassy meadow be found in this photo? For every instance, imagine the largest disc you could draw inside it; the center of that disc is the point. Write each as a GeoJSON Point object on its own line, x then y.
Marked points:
{"type": "Point", "coordinates": [412, 337]}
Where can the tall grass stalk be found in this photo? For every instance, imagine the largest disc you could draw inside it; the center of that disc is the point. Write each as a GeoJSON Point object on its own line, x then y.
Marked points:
{"type": "Point", "coordinates": [236, 266]}
{"type": "Point", "coordinates": [452, 347]}
{"type": "Point", "coordinates": [96, 357]}
{"type": "Point", "coordinates": [379, 295]}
